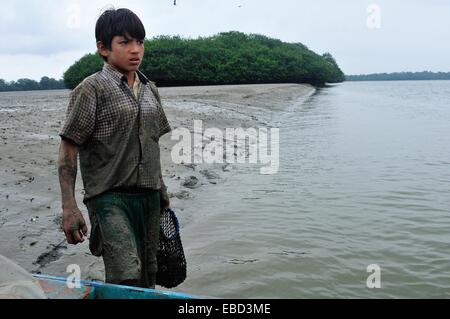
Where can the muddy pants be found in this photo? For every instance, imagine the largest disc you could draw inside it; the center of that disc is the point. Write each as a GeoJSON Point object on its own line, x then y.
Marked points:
{"type": "Point", "coordinates": [125, 231]}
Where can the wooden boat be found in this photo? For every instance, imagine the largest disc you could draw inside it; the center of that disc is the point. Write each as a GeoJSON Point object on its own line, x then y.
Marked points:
{"type": "Point", "coordinates": [57, 288]}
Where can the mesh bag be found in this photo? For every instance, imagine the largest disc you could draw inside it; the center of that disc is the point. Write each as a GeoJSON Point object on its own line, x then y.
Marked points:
{"type": "Point", "coordinates": [171, 259]}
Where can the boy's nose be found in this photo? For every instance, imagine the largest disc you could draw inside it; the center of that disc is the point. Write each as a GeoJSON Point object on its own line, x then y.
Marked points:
{"type": "Point", "coordinates": [135, 47]}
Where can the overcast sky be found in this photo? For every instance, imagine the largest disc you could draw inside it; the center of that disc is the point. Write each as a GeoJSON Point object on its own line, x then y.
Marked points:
{"type": "Point", "coordinates": [44, 37]}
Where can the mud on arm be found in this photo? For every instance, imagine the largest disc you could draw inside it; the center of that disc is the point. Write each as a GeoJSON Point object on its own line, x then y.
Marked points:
{"type": "Point", "coordinates": [73, 225]}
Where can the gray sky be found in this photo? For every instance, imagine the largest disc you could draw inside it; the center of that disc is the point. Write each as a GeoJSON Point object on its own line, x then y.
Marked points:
{"type": "Point", "coordinates": [44, 37]}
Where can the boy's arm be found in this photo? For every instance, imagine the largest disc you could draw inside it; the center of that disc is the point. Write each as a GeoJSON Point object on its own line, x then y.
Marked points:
{"type": "Point", "coordinates": [164, 128]}
{"type": "Point", "coordinates": [73, 225]}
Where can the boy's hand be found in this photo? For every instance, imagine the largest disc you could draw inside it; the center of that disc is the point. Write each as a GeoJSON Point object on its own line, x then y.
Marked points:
{"type": "Point", "coordinates": [165, 203]}
{"type": "Point", "coordinates": [74, 226]}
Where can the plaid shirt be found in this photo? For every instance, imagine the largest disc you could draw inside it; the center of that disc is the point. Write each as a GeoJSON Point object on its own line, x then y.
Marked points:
{"type": "Point", "coordinates": [117, 133]}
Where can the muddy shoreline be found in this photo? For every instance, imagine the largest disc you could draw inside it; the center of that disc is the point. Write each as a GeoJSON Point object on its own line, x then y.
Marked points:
{"type": "Point", "coordinates": [30, 204]}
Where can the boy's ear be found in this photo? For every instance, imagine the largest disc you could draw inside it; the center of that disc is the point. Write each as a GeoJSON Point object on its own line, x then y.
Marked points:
{"type": "Point", "coordinates": [102, 50]}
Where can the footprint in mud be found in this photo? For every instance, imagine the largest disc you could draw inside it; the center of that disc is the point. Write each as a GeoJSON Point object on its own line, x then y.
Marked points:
{"type": "Point", "coordinates": [180, 195]}
{"type": "Point", "coordinates": [54, 254]}
{"type": "Point", "coordinates": [209, 174]}
{"type": "Point", "coordinates": [191, 182]}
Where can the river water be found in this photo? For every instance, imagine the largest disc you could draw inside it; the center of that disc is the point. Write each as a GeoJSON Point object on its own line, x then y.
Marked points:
{"type": "Point", "coordinates": [363, 182]}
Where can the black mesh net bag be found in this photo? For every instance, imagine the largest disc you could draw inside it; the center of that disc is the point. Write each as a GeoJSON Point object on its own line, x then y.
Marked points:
{"type": "Point", "coordinates": [171, 259]}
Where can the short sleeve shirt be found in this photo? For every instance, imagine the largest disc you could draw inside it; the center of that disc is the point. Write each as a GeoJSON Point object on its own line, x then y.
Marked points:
{"type": "Point", "coordinates": [117, 133]}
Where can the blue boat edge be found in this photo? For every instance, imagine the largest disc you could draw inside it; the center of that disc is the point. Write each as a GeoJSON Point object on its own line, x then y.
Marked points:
{"type": "Point", "coordinates": [57, 288]}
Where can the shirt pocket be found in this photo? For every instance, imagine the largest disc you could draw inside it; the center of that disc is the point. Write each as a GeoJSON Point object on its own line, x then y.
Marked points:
{"type": "Point", "coordinates": [116, 115]}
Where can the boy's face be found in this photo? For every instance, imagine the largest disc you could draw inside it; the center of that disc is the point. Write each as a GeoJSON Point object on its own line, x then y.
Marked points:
{"type": "Point", "coordinates": [125, 55]}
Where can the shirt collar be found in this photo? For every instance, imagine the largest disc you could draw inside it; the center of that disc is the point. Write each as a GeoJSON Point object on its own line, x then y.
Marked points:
{"type": "Point", "coordinates": [119, 77]}
{"type": "Point", "coordinates": [142, 77]}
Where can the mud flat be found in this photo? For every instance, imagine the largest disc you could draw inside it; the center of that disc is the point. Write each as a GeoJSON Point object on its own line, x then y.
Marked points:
{"type": "Point", "coordinates": [30, 204]}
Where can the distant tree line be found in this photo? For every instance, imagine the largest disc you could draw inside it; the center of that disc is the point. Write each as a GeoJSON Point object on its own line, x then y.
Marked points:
{"type": "Point", "coordinates": [226, 58]}
{"type": "Point", "coordinates": [400, 76]}
{"type": "Point", "coordinates": [45, 83]}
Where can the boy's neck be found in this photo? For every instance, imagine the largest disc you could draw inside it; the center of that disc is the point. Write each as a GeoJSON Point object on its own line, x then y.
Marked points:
{"type": "Point", "coordinates": [131, 76]}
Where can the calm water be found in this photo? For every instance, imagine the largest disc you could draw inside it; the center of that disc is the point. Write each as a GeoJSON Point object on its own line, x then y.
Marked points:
{"type": "Point", "coordinates": [364, 179]}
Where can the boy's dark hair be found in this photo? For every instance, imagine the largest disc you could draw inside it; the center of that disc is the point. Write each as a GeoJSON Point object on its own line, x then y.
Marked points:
{"type": "Point", "coordinates": [118, 22]}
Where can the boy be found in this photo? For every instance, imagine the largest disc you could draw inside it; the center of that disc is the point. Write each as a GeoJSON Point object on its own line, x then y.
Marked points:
{"type": "Point", "coordinates": [114, 122]}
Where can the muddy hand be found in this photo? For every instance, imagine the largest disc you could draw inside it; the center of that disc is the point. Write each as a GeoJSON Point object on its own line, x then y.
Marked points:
{"type": "Point", "coordinates": [74, 226]}
{"type": "Point", "coordinates": [165, 203]}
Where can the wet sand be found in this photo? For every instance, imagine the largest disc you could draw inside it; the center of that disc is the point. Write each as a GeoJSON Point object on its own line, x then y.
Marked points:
{"type": "Point", "coordinates": [30, 211]}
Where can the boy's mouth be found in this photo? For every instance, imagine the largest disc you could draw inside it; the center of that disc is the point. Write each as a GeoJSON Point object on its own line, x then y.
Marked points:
{"type": "Point", "coordinates": [135, 61]}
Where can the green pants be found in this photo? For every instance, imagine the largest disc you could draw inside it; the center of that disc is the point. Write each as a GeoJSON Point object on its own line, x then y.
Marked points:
{"type": "Point", "coordinates": [125, 231]}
